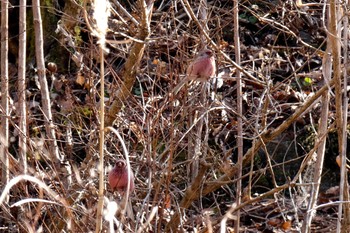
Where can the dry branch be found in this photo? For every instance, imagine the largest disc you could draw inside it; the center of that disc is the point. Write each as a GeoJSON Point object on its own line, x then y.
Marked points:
{"type": "Point", "coordinates": [4, 133]}
{"type": "Point", "coordinates": [132, 64]}
{"type": "Point", "coordinates": [239, 111]}
{"type": "Point", "coordinates": [22, 84]}
{"type": "Point", "coordinates": [39, 53]}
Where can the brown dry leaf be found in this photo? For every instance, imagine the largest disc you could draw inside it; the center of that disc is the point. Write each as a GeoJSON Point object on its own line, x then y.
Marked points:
{"type": "Point", "coordinates": [223, 44]}
{"type": "Point", "coordinates": [155, 61]}
{"type": "Point", "coordinates": [167, 201]}
{"type": "Point", "coordinates": [80, 79]}
{"type": "Point", "coordinates": [338, 160]}
{"type": "Point", "coordinates": [286, 225]}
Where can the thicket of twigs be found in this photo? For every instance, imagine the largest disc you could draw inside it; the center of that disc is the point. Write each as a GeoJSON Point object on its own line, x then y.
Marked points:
{"type": "Point", "coordinates": [181, 147]}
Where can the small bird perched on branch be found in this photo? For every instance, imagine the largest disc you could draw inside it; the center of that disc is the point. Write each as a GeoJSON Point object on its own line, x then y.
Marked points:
{"type": "Point", "coordinates": [118, 177]}
{"type": "Point", "coordinates": [201, 69]}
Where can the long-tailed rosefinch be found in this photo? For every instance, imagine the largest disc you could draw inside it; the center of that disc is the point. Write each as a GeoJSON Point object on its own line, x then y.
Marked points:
{"type": "Point", "coordinates": [118, 177]}
{"type": "Point", "coordinates": [201, 69]}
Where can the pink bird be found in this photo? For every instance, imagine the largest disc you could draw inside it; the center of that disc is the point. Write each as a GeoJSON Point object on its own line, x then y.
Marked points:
{"type": "Point", "coordinates": [118, 177]}
{"type": "Point", "coordinates": [201, 69]}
